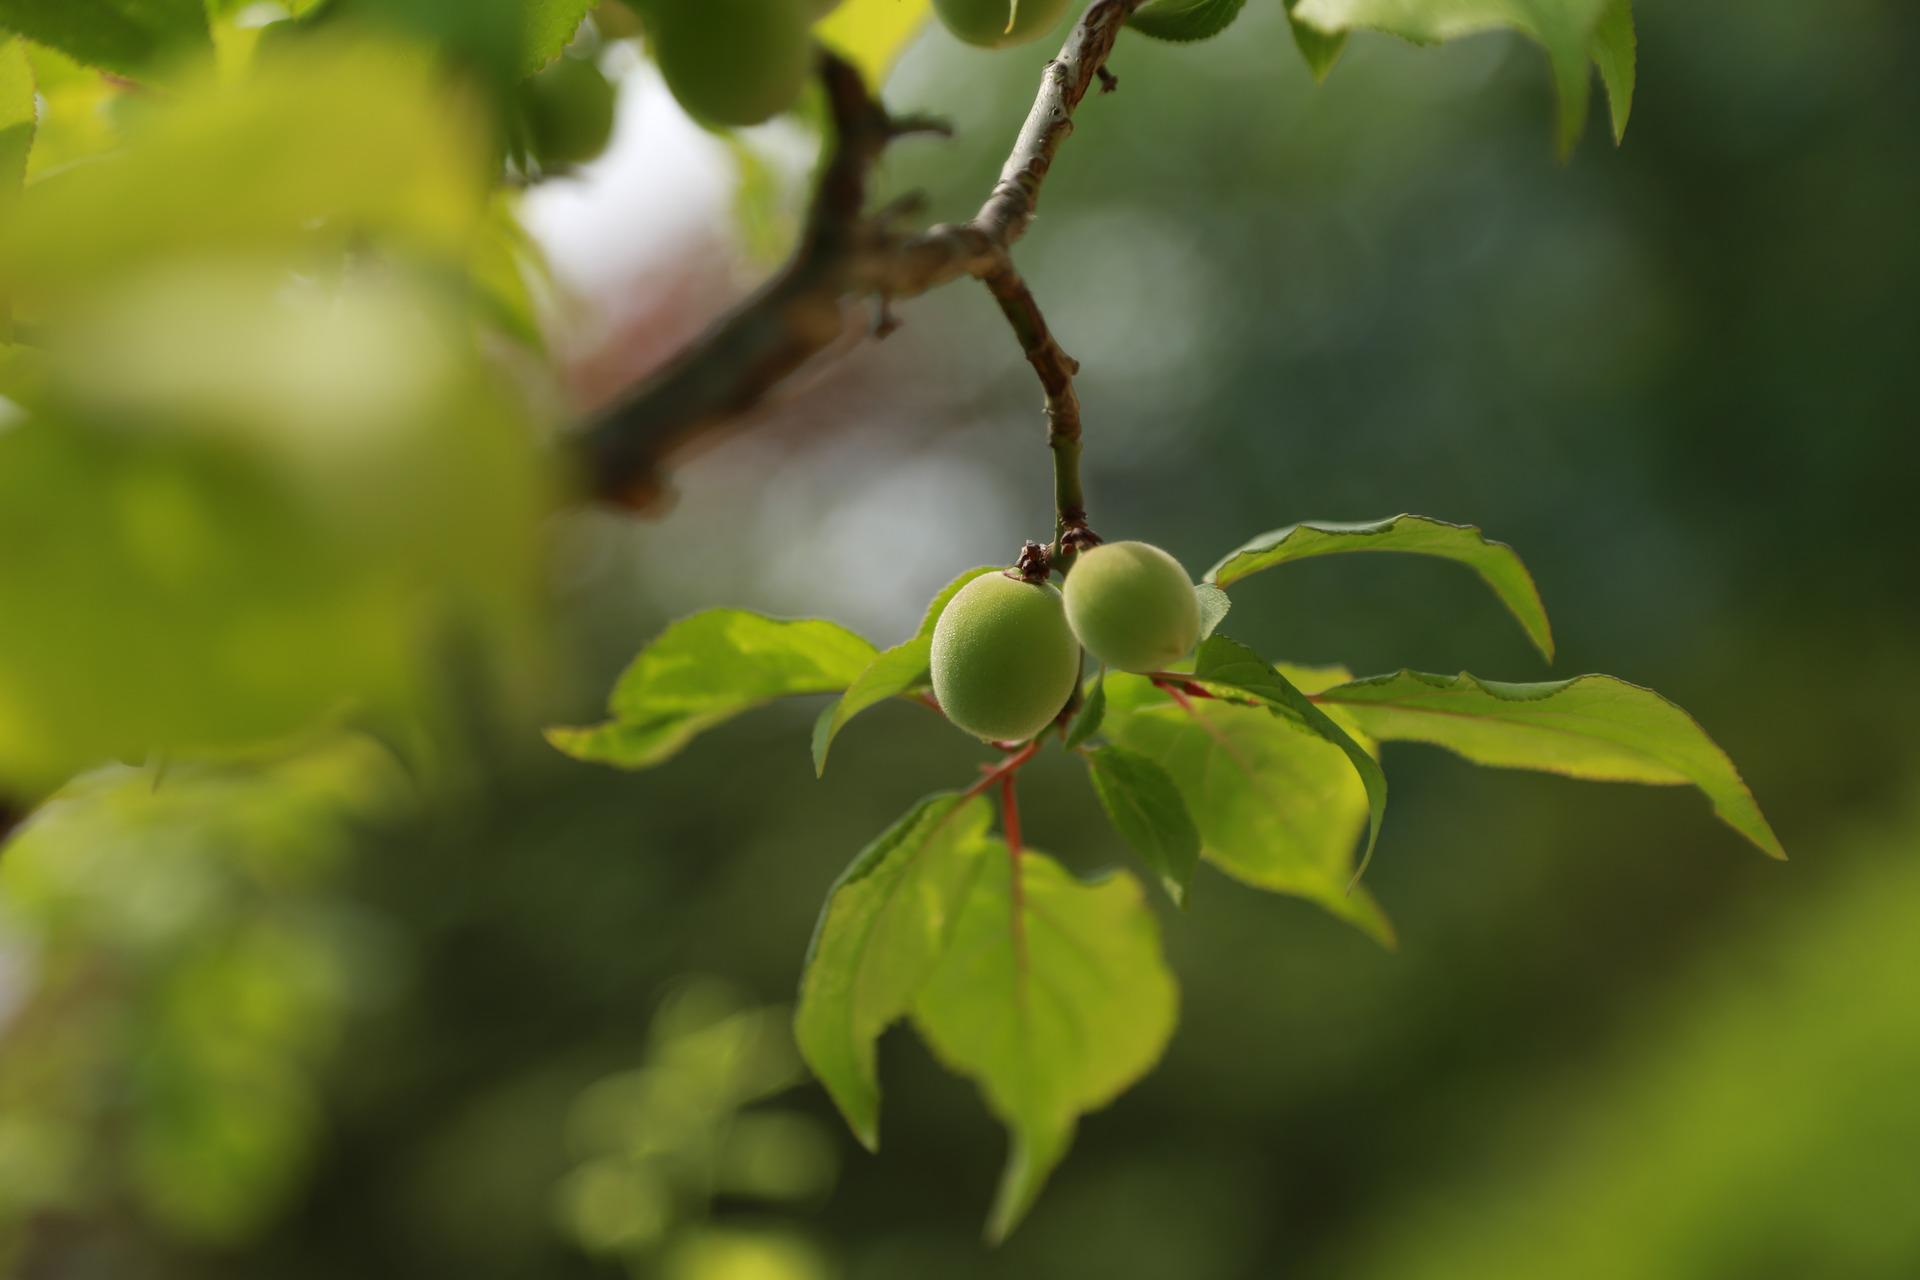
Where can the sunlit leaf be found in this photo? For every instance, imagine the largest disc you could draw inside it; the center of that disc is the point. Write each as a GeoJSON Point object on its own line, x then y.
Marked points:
{"type": "Point", "coordinates": [1214, 604]}
{"type": "Point", "coordinates": [1613, 53]}
{"type": "Point", "coordinates": [885, 926]}
{"type": "Point", "coordinates": [903, 669]}
{"type": "Point", "coordinates": [1227, 662]}
{"type": "Point", "coordinates": [1147, 811]}
{"type": "Point", "coordinates": [1318, 49]}
{"type": "Point", "coordinates": [334, 148]}
{"type": "Point", "coordinates": [1276, 806]}
{"type": "Point", "coordinates": [18, 115]}
{"type": "Point", "coordinates": [1185, 20]}
{"type": "Point", "coordinates": [708, 668]}
{"type": "Point", "coordinates": [550, 25]}
{"type": "Point", "coordinates": [1564, 28]}
{"type": "Point", "coordinates": [1496, 563]}
{"type": "Point", "coordinates": [1593, 727]}
{"type": "Point", "coordinates": [871, 33]}
{"type": "Point", "coordinates": [1054, 999]}
{"type": "Point", "coordinates": [134, 38]}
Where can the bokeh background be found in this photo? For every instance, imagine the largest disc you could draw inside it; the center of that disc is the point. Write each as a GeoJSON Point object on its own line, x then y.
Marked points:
{"type": "Point", "coordinates": [511, 1015]}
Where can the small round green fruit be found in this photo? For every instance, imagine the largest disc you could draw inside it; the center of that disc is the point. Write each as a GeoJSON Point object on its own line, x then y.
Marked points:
{"type": "Point", "coordinates": [1132, 606]}
{"type": "Point", "coordinates": [568, 108]}
{"type": "Point", "coordinates": [733, 62]}
{"type": "Point", "coordinates": [996, 24]}
{"type": "Point", "coordinates": [1004, 659]}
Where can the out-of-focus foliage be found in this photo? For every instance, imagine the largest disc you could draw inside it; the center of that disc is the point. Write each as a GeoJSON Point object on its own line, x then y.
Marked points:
{"type": "Point", "coordinates": [192, 962]}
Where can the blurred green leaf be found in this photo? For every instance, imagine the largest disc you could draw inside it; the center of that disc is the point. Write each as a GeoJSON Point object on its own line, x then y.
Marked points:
{"type": "Point", "coordinates": [1093, 709]}
{"type": "Point", "coordinates": [1054, 998]}
{"type": "Point", "coordinates": [1276, 806]}
{"type": "Point", "coordinates": [1593, 727]}
{"type": "Point", "coordinates": [133, 38]}
{"type": "Point", "coordinates": [1228, 662]}
{"type": "Point", "coordinates": [1147, 811]}
{"type": "Point", "coordinates": [76, 116]}
{"type": "Point", "coordinates": [1318, 49]}
{"type": "Point", "coordinates": [1613, 53]}
{"type": "Point", "coordinates": [18, 115]}
{"type": "Point", "coordinates": [550, 26]}
{"type": "Point", "coordinates": [706, 669]}
{"type": "Point", "coordinates": [871, 33]}
{"type": "Point", "coordinates": [1564, 28]}
{"type": "Point", "coordinates": [885, 925]}
{"type": "Point", "coordinates": [1496, 563]}
{"type": "Point", "coordinates": [332, 148]}
{"type": "Point", "coordinates": [1185, 20]}
{"type": "Point", "coordinates": [903, 669]}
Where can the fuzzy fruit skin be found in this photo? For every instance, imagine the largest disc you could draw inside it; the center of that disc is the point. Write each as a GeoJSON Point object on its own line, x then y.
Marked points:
{"type": "Point", "coordinates": [1132, 606]}
{"type": "Point", "coordinates": [732, 62]}
{"type": "Point", "coordinates": [984, 22]}
{"type": "Point", "coordinates": [1004, 659]}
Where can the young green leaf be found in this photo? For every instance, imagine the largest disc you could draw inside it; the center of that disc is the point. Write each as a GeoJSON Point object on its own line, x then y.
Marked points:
{"type": "Point", "coordinates": [706, 669]}
{"type": "Point", "coordinates": [871, 33]}
{"type": "Point", "coordinates": [1228, 662]}
{"type": "Point", "coordinates": [1317, 48]}
{"type": "Point", "coordinates": [884, 927]}
{"type": "Point", "coordinates": [1613, 53]}
{"type": "Point", "coordinates": [1497, 564]}
{"type": "Point", "coordinates": [127, 37]}
{"type": "Point", "coordinates": [1149, 814]}
{"type": "Point", "coordinates": [17, 114]}
{"type": "Point", "coordinates": [1185, 20]}
{"type": "Point", "coordinates": [1093, 710]}
{"type": "Point", "coordinates": [1564, 28]}
{"type": "Point", "coordinates": [547, 28]}
{"type": "Point", "coordinates": [1054, 997]}
{"type": "Point", "coordinates": [903, 669]}
{"type": "Point", "coordinates": [1593, 727]}
{"type": "Point", "coordinates": [1213, 607]}
{"type": "Point", "coordinates": [1276, 807]}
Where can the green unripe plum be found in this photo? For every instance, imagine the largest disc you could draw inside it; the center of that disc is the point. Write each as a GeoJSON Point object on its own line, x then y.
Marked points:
{"type": "Point", "coordinates": [1132, 606]}
{"type": "Point", "coordinates": [985, 22]}
{"type": "Point", "coordinates": [1004, 659]}
{"type": "Point", "coordinates": [733, 62]}
{"type": "Point", "coordinates": [568, 108]}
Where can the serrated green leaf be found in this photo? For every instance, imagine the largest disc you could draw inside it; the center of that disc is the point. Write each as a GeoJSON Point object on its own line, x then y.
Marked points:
{"type": "Point", "coordinates": [1227, 662]}
{"type": "Point", "coordinates": [1147, 811]}
{"type": "Point", "coordinates": [1213, 607]}
{"type": "Point", "coordinates": [1496, 563]}
{"type": "Point", "coordinates": [1054, 1000]}
{"type": "Point", "coordinates": [706, 669]}
{"type": "Point", "coordinates": [884, 928]}
{"type": "Point", "coordinates": [1613, 53]}
{"type": "Point", "coordinates": [1593, 727]}
{"type": "Point", "coordinates": [549, 25]}
{"type": "Point", "coordinates": [1277, 807]}
{"type": "Point", "coordinates": [17, 115]}
{"type": "Point", "coordinates": [1564, 28]}
{"type": "Point", "coordinates": [129, 37]}
{"type": "Point", "coordinates": [904, 669]}
{"type": "Point", "coordinates": [1317, 48]}
{"type": "Point", "coordinates": [1093, 710]}
{"type": "Point", "coordinates": [871, 33]}
{"type": "Point", "coordinates": [1185, 20]}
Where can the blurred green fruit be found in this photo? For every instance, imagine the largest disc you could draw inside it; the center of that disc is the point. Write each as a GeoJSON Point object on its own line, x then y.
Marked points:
{"type": "Point", "coordinates": [568, 107]}
{"type": "Point", "coordinates": [1004, 659]}
{"type": "Point", "coordinates": [998, 23]}
{"type": "Point", "coordinates": [1132, 606]}
{"type": "Point", "coordinates": [733, 62]}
